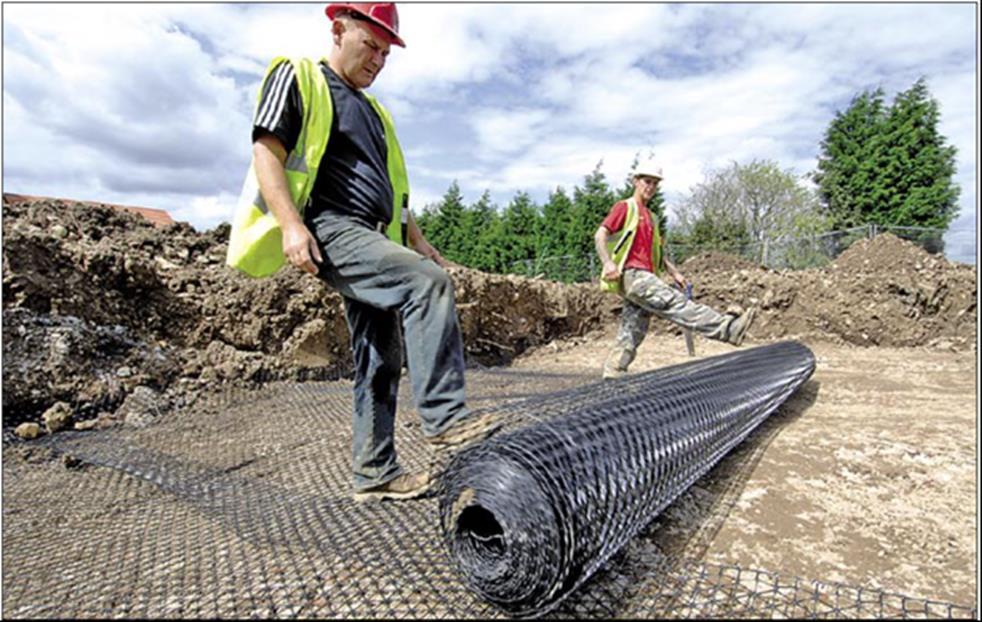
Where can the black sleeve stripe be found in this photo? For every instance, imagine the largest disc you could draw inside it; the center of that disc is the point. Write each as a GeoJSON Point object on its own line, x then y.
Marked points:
{"type": "Point", "coordinates": [268, 88]}
{"type": "Point", "coordinates": [272, 108]}
{"type": "Point", "coordinates": [277, 96]}
{"type": "Point", "coordinates": [275, 85]}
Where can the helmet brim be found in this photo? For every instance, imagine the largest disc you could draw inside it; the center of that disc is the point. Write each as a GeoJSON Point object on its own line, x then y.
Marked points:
{"type": "Point", "coordinates": [394, 38]}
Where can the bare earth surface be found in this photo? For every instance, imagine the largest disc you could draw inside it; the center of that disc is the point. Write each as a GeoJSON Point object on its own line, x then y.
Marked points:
{"type": "Point", "coordinates": [867, 476]}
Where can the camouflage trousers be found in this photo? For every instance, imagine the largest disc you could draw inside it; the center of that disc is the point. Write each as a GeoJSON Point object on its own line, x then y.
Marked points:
{"type": "Point", "coordinates": [645, 295]}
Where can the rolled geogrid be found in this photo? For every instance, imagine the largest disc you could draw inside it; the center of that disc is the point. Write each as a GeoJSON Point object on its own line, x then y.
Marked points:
{"type": "Point", "coordinates": [529, 515]}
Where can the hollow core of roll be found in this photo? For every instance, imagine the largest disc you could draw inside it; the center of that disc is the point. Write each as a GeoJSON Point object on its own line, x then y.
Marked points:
{"type": "Point", "coordinates": [481, 530]}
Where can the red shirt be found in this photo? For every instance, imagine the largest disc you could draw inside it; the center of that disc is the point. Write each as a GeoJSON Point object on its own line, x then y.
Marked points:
{"type": "Point", "coordinates": [639, 257]}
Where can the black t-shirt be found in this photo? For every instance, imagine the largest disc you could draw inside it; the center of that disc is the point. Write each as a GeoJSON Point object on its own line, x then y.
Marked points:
{"type": "Point", "coordinates": [353, 178]}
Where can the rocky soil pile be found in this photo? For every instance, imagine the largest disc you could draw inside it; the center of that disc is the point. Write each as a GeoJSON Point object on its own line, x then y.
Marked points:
{"type": "Point", "coordinates": [108, 318]}
{"type": "Point", "coordinates": [880, 292]}
{"type": "Point", "coordinates": [99, 305]}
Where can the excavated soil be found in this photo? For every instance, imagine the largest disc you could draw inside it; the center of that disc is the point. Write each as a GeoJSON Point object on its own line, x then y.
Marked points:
{"type": "Point", "coordinates": [867, 476]}
{"type": "Point", "coordinates": [97, 303]}
{"type": "Point", "coordinates": [104, 312]}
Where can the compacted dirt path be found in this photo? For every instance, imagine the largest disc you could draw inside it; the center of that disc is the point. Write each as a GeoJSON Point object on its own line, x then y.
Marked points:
{"type": "Point", "coordinates": [866, 477]}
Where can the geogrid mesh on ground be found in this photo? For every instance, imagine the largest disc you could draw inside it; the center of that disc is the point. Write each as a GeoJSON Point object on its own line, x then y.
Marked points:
{"type": "Point", "coordinates": [240, 507]}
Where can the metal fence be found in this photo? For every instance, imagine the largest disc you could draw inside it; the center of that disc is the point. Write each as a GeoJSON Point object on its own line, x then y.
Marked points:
{"type": "Point", "coordinates": [794, 253]}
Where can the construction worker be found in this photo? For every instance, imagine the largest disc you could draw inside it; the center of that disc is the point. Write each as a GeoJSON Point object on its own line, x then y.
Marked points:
{"type": "Point", "coordinates": [328, 192]}
{"type": "Point", "coordinates": [630, 248]}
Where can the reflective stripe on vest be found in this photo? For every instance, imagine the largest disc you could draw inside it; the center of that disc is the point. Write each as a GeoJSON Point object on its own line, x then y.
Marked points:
{"type": "Point", "coordinates": [619, 246]}
{"type": "Point", "coordinates": [255, 243]}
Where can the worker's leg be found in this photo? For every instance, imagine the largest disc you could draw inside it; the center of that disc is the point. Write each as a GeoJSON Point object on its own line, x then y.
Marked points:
{"type": "Point", "coordinates": [364, 265]}
{"type": "Point", "coordinates": [654, 295]}
{"type": "Point", "coordinates": [377, 352]}
{"type": "Point", "coordinates": [631, 332]}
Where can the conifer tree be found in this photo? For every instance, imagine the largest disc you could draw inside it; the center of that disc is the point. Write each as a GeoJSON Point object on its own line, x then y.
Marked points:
{"type": "Point", "coordinates": [557, 216]}
{"type": "Point", "coordinates": [591, 204]}
{"type": "Point", "coordinates": [521, 228]}
{"type": "Point", "coordinates": [555, 239]}
{"type": "Point", "coordinates": [446, 228]}
{"type": "Point", "coordinates": [888, 166]}
{"type": "Point", "coordinates": [480, 225]}
{"type": "Point", "coordinates": [847, 176]}
{"type": "Point", "coordinates": [916, 166]}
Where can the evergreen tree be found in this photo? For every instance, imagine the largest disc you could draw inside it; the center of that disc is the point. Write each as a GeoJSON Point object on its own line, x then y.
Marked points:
{"type": "Point", "coordinates": [847, 176]}
{"type": "Point", "coordinates": [916, 166]}
{"type": "Point", "coordinates": [521, 222]}
{"type": "Point", "coordinates": [888, 166]}
{"type": "Point", "coordinates": [591, 204]}
{"type": "Point", "coordinates": [557, 216]}
{"type": "Point", "coordinates": [480, 224]}
{"type": "Point", "coordinates": [555, 238]}
{"type": "Point", "coordinates": [445, 230]}
{"type": "Point", "coordinates": [424, 220]}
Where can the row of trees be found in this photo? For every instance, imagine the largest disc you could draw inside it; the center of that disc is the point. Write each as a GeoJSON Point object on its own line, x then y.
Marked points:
{"type": "Point", "coordinates": [879, 164]}
{"type": "Point", "coordinates": [554, 239]}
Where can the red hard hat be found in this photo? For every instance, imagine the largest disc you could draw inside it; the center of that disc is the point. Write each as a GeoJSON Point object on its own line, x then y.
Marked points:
{"type": "Point", "coordinates": [382, 14]}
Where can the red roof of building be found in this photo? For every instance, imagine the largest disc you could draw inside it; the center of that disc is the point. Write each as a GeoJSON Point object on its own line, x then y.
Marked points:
{"type": "Point", "coordinates": [158, 217]}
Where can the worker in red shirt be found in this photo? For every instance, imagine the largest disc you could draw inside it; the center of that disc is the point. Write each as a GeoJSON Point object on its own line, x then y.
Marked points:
{"type": "Point", "coordinates": [630, 248]}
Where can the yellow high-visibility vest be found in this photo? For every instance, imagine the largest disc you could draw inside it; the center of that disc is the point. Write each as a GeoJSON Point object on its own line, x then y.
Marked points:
{"type": "Point", "coordinates": [619, 245]}
{"type": "Point", "coordinates": [255, 244]}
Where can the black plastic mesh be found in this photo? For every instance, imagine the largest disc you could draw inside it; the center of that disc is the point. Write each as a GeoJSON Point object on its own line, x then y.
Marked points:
{"type": "Point", "coordinates": [530, 515]}
{"type": "Point", "coordinates": [240, 507]}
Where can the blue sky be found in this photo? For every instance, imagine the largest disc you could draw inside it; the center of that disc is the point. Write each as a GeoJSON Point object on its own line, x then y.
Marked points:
{"type": "Point", "coordinates": [151, 104]}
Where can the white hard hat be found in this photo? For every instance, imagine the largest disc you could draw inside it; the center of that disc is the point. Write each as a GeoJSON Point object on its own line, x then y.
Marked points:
{"type": "Point", "coordinates": [650, 167]}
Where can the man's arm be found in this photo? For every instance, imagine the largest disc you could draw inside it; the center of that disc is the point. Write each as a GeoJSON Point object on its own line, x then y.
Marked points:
{"type": "Point", "coordinates": [674, 272]}
{"type": "Point", "coordinates": [299, 245]}
{"type": "Point", "coordinates": [609, 271]}
{"type": "Point", "coordinates": [419, 244]}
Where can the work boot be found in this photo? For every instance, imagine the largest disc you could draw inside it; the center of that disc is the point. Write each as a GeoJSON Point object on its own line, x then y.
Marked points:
{"type": "Point", "coordinates": [473, 428]}
{"type": "Point", "coordinates": [405, 486]}
{"type": "Point", "coordinates": [617, 363]}
{"type": "Point", "coordinates": [739, 326]}
{"type": "Point", "coordinates": [612, 373]}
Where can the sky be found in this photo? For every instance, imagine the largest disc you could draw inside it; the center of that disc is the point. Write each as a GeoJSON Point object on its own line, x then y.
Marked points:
{"type": "Point", "coordinates": [151, 104]}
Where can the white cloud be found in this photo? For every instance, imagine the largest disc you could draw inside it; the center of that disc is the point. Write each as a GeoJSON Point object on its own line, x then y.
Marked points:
{"type": "Point", "coordinates": [208, 210]}
{"type": "Point", "coordinates": [505, 132]}
{"type": "Point", "coordinates": [151, 103]}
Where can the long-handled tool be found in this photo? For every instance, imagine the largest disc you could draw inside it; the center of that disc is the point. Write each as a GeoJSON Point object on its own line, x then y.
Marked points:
{"type": "Point", "coordinates": [687, 332]}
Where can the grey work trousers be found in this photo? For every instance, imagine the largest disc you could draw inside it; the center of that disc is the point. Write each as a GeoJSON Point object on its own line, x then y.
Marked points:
{"type": "Point", "coordinates": [384, 285]}
{"type": "Point", "coordinates": [645, 295]}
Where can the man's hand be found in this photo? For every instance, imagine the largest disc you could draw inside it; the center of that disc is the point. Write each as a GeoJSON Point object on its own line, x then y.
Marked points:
{"type": "Point", "coordinates": [300, 247]}
{"type": "Point", "coordinates": [419, 244]}
{"type": "Point", "coordinates": [443, 262]}
{"type": "Point", "coordinates": [427, 250]}
{"type": "Point", "coordinates": [679, 279]}
{"type": "Point", "coordinates": [611, 272]}
{"type": "Point", "coordinates": [674, 273]}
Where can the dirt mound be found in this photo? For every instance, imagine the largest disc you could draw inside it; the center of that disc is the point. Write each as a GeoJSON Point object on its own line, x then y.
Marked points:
{"type": "Point", "coordinates": [888, 253]}
{"type": "Point", "coordinates": [99, 304]}
{"type": "Point", "coordinates": [714, 261]}
{"type": "Point", "coordinates": [88, 291]}
{"type": "Point", "coordinates": [885, 291]}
